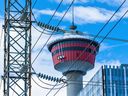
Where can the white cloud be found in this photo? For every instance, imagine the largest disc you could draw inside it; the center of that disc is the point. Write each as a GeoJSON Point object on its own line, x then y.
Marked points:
{"type": "Point", "coordinates": [83, 15]}
{"type": "Point", "coordinates": [104, 46]}
{"type": "Point", "coordinates": [91, 14]}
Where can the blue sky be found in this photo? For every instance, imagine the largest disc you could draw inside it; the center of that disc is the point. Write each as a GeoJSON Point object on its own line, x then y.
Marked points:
{"type": "Point", "coordinates": [90, 16]}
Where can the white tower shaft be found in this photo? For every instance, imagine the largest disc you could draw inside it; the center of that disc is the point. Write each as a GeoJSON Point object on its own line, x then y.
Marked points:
{"type": "Point", "coordinates": [75, 83]}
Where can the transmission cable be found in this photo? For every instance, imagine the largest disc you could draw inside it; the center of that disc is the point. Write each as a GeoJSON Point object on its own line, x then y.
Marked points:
{"type": "Point", "coordinates": [109, 38]}
{"type": "Point", "coordinates": [48, 83]}
{"type": "Point", "coordinates": [44, 32]}
{"type": "Point", "coordinates": [53, 31]}
{"type": "Point", "coordinates": [34, 16]}
{"type": "Point", "coordinates": [34, 4]}
{"type": "Point", "coordinates": [100, 31]}
{"type": "Point", "coordinates": [95, 82]}
{"type": "Point", "coordinates": [47, 23]}
{"type": "Point", "coordinates": [42, 81]}
{"type": "Point", "coordinates": [99, 43]}
{"type": "Point", "coordinates": [45, 87]}
{"type": "Point", "coordinates": [67, 85]}
{"type": "Point", "coordinates": [49, 20]}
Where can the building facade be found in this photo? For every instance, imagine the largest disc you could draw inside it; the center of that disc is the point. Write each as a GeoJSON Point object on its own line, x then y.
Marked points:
{"type": "Point", "coordinates": [108, 81]}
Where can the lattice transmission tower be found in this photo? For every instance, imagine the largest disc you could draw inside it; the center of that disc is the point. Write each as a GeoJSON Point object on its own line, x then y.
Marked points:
{"type": "Point", "coordinates": [17, 48]}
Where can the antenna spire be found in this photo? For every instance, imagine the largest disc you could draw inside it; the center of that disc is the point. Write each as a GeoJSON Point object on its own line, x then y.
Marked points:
{"type": "Point", "coordinates": [73, 27]}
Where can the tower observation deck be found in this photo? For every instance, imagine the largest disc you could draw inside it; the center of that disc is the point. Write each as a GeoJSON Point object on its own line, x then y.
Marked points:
{"type": "Point", "coordinates": [73, 55]}
{"type": "Point", "coordinates": [73, 48]}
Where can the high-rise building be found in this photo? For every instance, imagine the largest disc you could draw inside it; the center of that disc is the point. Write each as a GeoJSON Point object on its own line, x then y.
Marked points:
{"type": "Point", "coordinates": [108, 81]}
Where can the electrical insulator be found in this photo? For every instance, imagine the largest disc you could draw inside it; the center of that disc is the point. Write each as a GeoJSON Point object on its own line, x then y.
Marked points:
{"type": "Point", "coordinates": [48, 26]}
{"type": "Point", "coordinates": [46, 77]}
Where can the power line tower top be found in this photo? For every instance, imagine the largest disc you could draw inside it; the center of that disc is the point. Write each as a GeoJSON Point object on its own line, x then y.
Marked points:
{"type": "Point", "coordinates": [17, 48]}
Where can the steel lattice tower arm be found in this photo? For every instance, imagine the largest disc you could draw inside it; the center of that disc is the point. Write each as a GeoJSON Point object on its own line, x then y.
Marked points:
{"type": "Point", "coordinates": [17, 48]}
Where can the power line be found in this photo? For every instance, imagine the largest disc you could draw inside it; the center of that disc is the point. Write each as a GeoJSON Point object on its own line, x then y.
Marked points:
{"type": "Point", "coordinates": [104, 27]}
{"type": "Point", "coordinates": [47, 23]}
{"type": "Point", "coordinates": [47, 83]}
{"type": "Point", "coordinates": [42, 31]}
{"type": "Point", "coordinates": [51, 35]}
{"type": "Point", "coordinates": [77, 82]}
{"type": "Point", "coordinates": [42, 81]}
{"type": "Point", "coordinates": [100, 85]}
{"type": "Point", "coordinates": [63, 15]}
{"type": "Point", "coordinates": [107, 85]}
{"type": "Point", "coordinates": [45, 87]}
{"type": "Point", "coordinates": [96, 82]}
{"type": "Point", "coordinates": [109, 38]}
{"type": "Point", "coordinates": [36, 20]}
{"type": "Point", "coordinates": [52, 32]}
{"type": "Point", "coordinates": [49, 27]}
{"type": "Point", "coordinates": [96, 35]}
{"type": "Point", "coordinates": [93, 83]}
{"type": "Point", "coordinates": [34, 4]}
{"type": "Point", "coordinates": [101, 40]}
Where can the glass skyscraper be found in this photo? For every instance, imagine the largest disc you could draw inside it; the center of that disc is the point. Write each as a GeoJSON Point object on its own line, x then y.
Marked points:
{"type": "Point", "coordinates": [108, 81]}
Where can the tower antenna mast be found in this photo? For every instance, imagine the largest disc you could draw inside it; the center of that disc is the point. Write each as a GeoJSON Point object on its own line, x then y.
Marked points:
{"type": "Point", "coordinates": [17, 48]}
{"type": "Point", "coordinates": [73, 27]}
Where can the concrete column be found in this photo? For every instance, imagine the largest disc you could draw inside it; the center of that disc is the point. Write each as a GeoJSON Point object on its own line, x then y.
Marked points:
{"type": "Point", "coordinates": [75, 83]}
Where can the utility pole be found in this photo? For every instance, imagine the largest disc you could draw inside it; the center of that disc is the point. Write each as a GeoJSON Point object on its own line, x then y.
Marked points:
{"type": "Point", "coordinates": [17, 48]}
